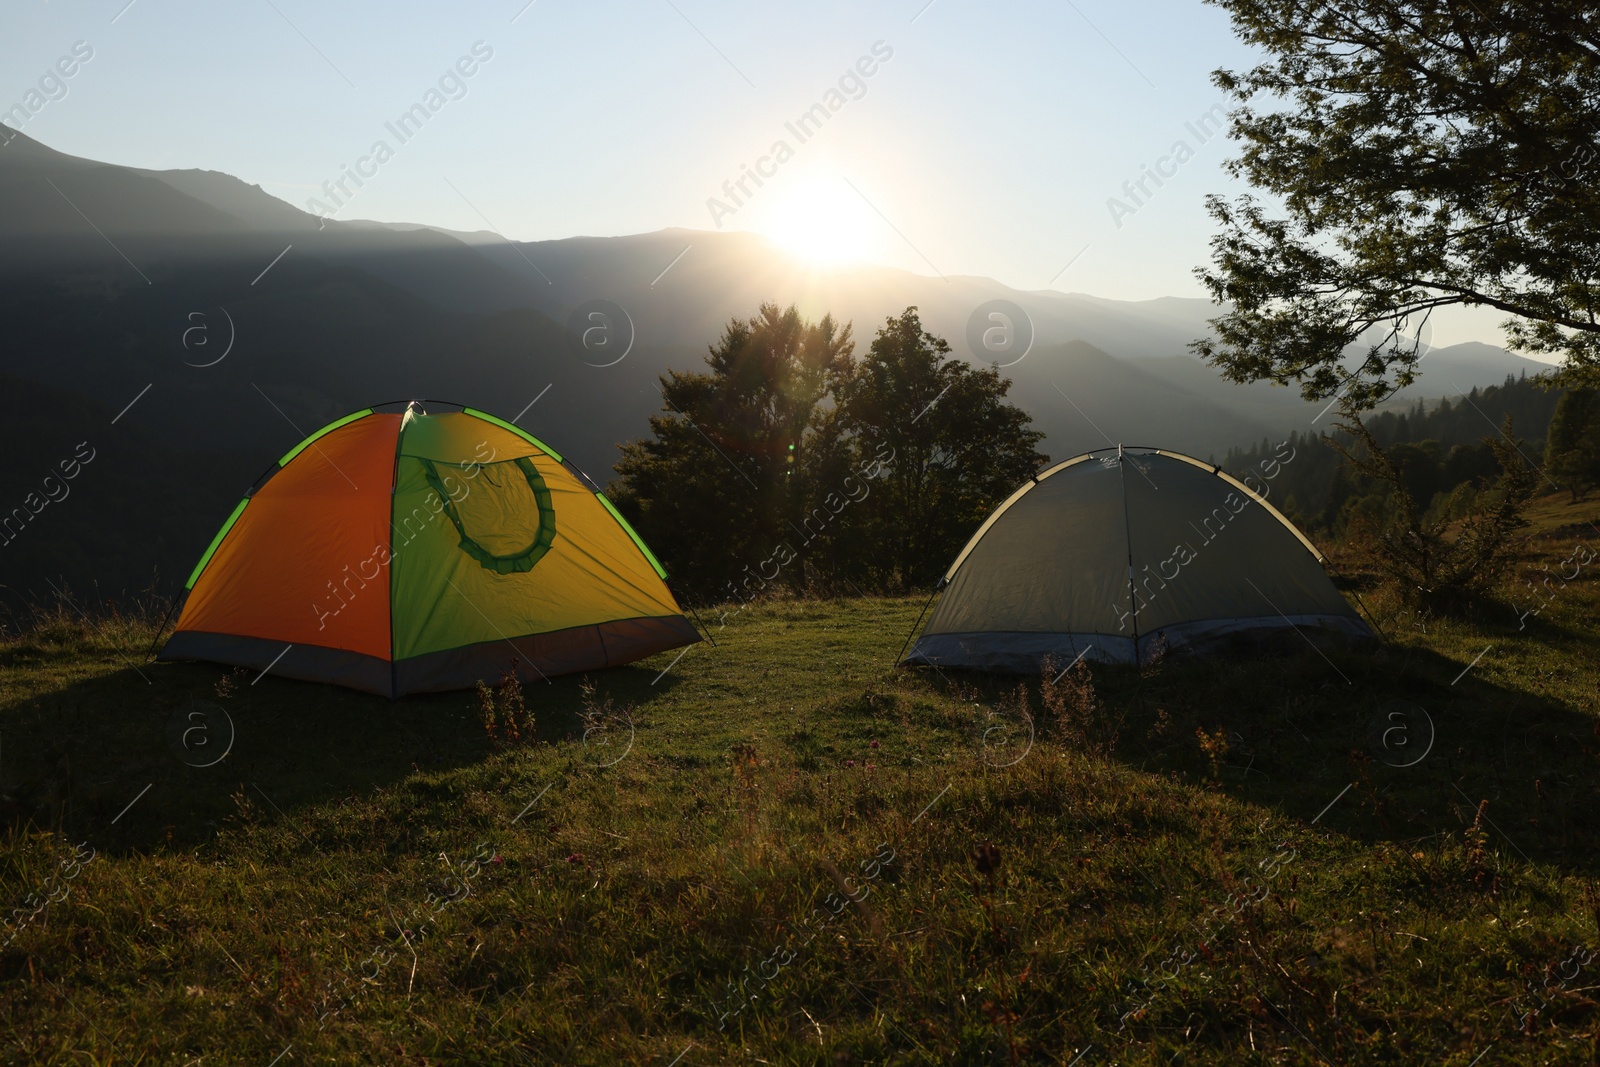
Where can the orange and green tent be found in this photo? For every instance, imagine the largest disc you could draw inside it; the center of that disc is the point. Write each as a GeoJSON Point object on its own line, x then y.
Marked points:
{"type": "Point", "coordinates": [401, 552]}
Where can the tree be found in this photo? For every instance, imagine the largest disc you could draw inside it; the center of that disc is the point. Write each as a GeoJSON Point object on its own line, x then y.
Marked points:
{"type": "Point", "coordinates": [1420, 465]}
{"type": "Point", "coordinates": [1438, 563]}
{"type": "Point", "coordinates": [1419, 154]}
{"type": "Point", "coordinates": [952, 447]}
{"type": "Point", "coordinates": [713, 489]}
{"type": "Point", "coordinates": [1572, 448]}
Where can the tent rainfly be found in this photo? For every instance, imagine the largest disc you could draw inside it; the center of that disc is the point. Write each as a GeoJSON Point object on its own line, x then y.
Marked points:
{"type": "Point", "coordinates": [1117, 551]}
{"type": "Point", "coordinates": [401, 552]}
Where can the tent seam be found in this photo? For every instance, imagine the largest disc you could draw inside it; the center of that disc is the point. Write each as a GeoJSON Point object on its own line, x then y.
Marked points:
{"type": "Point", "coordinates": [1127, 534]}
{"type": "Point", "coordinates": [394, 489]}
{"type": "Point", "coordinates": [257, 486]}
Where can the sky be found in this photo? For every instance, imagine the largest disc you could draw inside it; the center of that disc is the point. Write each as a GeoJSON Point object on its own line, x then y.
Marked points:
{"type": "Point", "coordinates": [986, 139]}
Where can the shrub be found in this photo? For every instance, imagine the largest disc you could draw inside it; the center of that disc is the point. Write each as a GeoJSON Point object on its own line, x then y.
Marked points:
{"type": "Point", "coordinates": [506, 717]}
{"type": "Point", "coordinates": [1080, 718]}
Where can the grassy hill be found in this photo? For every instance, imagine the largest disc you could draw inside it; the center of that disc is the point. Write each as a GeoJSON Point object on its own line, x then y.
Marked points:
{"type": "Point", "coordinates": [782, 850]}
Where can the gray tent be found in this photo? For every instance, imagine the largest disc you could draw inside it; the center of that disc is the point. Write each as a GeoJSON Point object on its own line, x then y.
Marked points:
{"type": "Point", "coordinates": [1114, 551]}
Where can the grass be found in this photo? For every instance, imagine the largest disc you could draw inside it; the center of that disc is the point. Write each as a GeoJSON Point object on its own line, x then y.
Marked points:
{"type": "Point", "coordinates": [782, 850]}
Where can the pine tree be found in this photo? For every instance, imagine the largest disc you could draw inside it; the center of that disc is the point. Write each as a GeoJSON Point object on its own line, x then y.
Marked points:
{"type": "Point", "coordinates": [1572, 448]}
{"type": "Point", "coordinates": [955, 449]}
{"type": "Point", "coordinates": [719, 484]}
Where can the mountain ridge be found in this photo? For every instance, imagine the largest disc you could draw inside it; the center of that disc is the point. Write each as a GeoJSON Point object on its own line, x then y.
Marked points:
{"type": "Point", "coordinates": [215, 317]}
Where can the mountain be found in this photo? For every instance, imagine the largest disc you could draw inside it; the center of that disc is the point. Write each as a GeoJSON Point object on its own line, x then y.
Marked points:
{"type": "Point", "coordinates": [92, 507]}
{"type": "Point", "coordinates": [1455, 370]}
{"type": "Point", "coordinates": [230, 324]}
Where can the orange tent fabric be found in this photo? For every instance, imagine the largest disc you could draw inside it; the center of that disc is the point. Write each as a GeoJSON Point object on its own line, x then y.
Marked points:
{"type": "Point", "coordinates": [400, 552]}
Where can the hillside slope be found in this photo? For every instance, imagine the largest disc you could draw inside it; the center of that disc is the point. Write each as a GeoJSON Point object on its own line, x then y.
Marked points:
{"type": "Point", "coordinates": [780, 849]}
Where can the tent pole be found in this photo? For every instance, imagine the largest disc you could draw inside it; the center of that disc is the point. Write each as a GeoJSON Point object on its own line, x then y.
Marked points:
{"type": "Point", "coordinates": [1127, 529]}
{"type": "Point", "coordinates": [936, 587]}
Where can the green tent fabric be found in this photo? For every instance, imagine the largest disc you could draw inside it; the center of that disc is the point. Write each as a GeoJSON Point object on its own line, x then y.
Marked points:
{"type": "Point", "coordinates": [1115, 552]}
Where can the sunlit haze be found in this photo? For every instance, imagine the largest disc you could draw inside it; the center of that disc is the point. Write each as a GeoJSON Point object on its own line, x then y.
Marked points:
{"type": "Point", "coordinates": [945, 138]}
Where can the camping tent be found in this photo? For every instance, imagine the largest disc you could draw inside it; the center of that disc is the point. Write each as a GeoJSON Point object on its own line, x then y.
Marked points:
{"type": "Point", "coordinates": [1117, 550]}
{"type": "Point", "coordinates": [400, 552]}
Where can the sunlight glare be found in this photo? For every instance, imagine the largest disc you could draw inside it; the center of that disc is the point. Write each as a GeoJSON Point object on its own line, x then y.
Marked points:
{"type": "Point", "coordinates": [824, 221]}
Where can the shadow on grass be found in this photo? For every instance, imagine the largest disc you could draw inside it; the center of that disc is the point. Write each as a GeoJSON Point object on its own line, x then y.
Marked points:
{"type": "Point", "coordinates": [1378, 743]}
{"type": "Point", "coordinates": [129, 764]}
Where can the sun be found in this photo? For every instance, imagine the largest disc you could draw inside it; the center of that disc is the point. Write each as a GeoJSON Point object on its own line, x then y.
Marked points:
{"type": "Point", "coordinates": [822, 220]}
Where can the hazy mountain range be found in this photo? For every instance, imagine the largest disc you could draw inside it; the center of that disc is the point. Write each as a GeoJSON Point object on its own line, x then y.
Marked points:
{"type": "Point", "coordinates": [124, 286]}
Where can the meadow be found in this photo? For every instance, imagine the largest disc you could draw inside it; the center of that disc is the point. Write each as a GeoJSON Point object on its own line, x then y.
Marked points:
{"type": "Point", "coordinates": [782, 849]}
